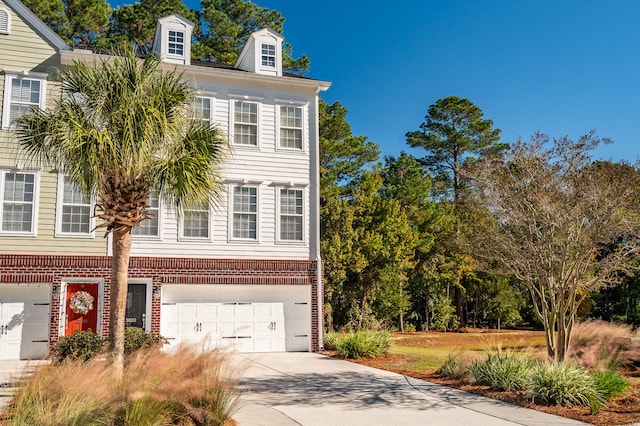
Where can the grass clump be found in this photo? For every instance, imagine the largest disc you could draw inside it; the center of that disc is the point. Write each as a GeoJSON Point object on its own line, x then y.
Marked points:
{"type": "Point", "coordinates": [504, 370]}
{"type": "Point", "coordinates": [610, 384]}
{"type": "Point", "coordinates": [360, 344]}
{"type": "Point", "coordinates": [331, 341]}
{"type": "Point", "coordinates": [454, 367]}
{"type": "Point", "coordinates": [602, 345]}
{"type": "Point", "coordinates": [564, 384]}
{"type": "Point", "coordinates": [185, 387]}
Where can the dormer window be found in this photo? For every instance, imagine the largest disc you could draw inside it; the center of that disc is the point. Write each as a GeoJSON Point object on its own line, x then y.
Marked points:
{"type": "Point", "coordinates": [4, 21]}
{"type": "Point", "coordinates": [262, 53]}
{"type": "Point", "coordinates": [173, 39]}
{"type": "Point", "coordinates": [176, 43]}
{"type": "Point", "coordinates": [269, 55]}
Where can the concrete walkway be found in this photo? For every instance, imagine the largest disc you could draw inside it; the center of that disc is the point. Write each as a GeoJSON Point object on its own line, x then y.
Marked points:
{"type": "Point", "coordinates": [311, 389]}
{"type": "Point", "coordinates": [10, 371]}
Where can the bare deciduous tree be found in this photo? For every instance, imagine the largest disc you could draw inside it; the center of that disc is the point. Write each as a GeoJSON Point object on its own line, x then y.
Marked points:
{"type": "Point", "coordinates": [565, 225]}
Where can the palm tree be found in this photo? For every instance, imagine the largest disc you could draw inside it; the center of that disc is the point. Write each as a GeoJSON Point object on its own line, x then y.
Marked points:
{"type": "Point", "coordinates": [121, 130]}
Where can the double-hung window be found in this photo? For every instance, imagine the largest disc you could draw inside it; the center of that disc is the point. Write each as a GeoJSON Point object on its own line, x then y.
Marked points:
{"type": "Point", "coordinates": [17, 202]}
{"type": "Point", "coordinates": [291, 127]}
{"type": "Point", "coordinates": [291, 214]}
{"type": "Point", "coordinates": [245, 123]}
{"type": "Point", "coordinates": [202, 109]}
{"type": "Point", "coordinates": [150, 227]}
{"type": "Point", "coordinates": [245, 213]}
{"type": "Point", "coordinates": [74, 210]}
{"type": "Point", "coordinates": [268, 57]}
{"type": "Point", "coordinates": [196, 222]}
{"type": "Point", "coordinates": [21, 95]}
{"type": "Point", "coordinates": [176, 43]}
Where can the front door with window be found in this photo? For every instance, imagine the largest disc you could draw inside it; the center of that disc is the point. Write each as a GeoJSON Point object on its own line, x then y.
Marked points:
{"type": "Point", "coordinates": [81, 315]}
{"type": "Point", "coordinates": [136, 306]}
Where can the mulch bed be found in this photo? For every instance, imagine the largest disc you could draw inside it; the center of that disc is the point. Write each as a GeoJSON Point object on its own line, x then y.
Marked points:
{"type": "Point", "coordinates": [619, 411]}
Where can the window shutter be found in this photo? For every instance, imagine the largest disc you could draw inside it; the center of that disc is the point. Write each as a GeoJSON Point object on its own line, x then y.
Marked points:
{"type": "Point", "coordinates": [4, 21]}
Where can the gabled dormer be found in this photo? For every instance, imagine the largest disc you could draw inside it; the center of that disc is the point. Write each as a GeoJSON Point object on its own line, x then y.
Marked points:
{"type": "Point", "coordinates": [262, 54]}
{"type": "Point", "coordinates": [173, 39]}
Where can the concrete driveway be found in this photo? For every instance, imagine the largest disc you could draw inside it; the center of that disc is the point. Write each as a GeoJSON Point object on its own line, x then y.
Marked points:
{"type": "Point", "coordinates": [311, 389]}
{"type": "Point", "coordinates": [281, 389]}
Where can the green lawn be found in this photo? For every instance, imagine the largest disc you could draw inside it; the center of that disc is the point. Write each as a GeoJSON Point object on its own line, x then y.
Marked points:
{"type": "Point", "coordinates": [428, 350]}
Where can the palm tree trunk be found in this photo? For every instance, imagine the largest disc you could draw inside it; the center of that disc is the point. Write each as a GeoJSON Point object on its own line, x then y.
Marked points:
{"type": "Point", "coordinates": [119, 272]}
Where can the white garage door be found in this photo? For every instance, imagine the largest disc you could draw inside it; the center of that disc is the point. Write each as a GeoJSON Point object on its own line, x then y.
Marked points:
{"type": "Point", "coordinates": [24, 321]}
{"type": "Point", "coordinates": [245, 319]}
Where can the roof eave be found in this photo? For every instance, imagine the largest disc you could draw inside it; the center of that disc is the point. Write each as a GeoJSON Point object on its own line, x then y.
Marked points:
{"type": "Point", "coordinates": [46, 32]}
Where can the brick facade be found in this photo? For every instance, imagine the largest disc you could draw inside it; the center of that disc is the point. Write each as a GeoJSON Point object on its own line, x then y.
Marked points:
{"type": "Point", "coordinates": [53, 269]}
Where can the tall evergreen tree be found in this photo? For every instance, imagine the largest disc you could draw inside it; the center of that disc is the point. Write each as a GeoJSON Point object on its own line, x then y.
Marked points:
{"type": "Point", "coordinates": [453, 134]}
{"type": "Point", "coordinates": [410, 184]}
{"type": "Point", "coordinates": [368, 248]}
{"type": "Point", "coordinates": [80, 22]}
{"type": "Point", "coordinates": [343, 156]}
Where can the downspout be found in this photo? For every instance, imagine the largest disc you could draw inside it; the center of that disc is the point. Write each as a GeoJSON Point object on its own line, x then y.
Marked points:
{"type": "Point", "coordinates": [316, 184]}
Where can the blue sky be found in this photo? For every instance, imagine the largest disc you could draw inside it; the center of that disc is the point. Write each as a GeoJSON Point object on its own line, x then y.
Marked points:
{"type": "Point", "coordinates": [561, 67]}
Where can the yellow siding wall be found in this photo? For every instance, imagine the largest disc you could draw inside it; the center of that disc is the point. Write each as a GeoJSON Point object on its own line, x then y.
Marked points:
{"type": "Point", "coordinates": [25, 50]}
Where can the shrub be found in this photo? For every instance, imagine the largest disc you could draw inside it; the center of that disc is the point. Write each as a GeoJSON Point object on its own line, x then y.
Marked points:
{"type": "Point", "coordinates": [82, 345]}
{"type": "Point", "coordinates": [610, 384]}
{"type": "Point", "coordinates": [184, 387]}
{"type": "Point", "coordinates": [409, 327]}
{"type": "Point", "coordinates": [331, 341]}
{"type": "Point", "coordinates": [503, 370]}
{"type": "Point", "coordinates": [564, 384]}
{"type": "Point", "coordinates": [136, 338]}
{"type": "Point", "coordinates": [454, 367]}
{"type": "Point", "coordinates": [443, 316]}
{"type": "Point", "coordinates": [364, 344]}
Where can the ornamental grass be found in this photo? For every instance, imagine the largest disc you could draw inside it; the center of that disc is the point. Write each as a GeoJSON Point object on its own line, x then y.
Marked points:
{"type": "Point", "coordinates": [185, 387]}
{"type": "Point", "coordinates": [360, 344]}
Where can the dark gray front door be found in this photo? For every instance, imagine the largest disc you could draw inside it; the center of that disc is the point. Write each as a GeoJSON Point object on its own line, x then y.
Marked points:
{"type": "Point", "coordinates": [136, 305]}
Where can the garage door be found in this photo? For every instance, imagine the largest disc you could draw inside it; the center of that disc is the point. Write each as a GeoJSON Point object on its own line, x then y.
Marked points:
{"type": "Point", "coordinates": [245, 319]}
{"type": "Point", "coordinates": [24, 321]}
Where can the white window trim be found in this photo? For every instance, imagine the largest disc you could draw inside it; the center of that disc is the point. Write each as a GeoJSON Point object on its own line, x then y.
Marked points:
{"type": "Point", "coordinates": [8, 14]}
{"type": "Point", "coordinates": [36, 197]}
{"type": "Point", "coordinates": [231, 211]}
{"type": "Point", "coordinates": [99, 304]}
{"type": "Point", "coordinates": [181, 236]}
{"type": "Point", "coordinates": [232, 122]}
{"type": "Point", "coordinates": [149, 291]}
{"type": "Point", "coordinates": [8, 78]}
{"type": "Point", "coordinates": [277, 70]}
{"type": "Point", "coordinates": [274, 56]}
{"type": "Point", "coordinates": [184, 42]}
{"type": "Point", "coordinates": [59, 205]}
{"type": "Point", "coordinates": [305, 143]}
{"type": "Point", "coordinates": [136, 237]}
{"type": "Point", "coordinates": [304, 215]}
{"type": "Point", "coordinates": [212, 100]}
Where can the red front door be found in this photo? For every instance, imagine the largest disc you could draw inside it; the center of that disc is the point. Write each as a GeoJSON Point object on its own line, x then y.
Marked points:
{"type": "Point", "coordinates": [79, 321]}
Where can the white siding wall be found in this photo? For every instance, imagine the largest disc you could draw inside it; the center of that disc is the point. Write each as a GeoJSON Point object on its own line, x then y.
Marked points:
{"type": "Point", "coordinates": [266, 166]}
